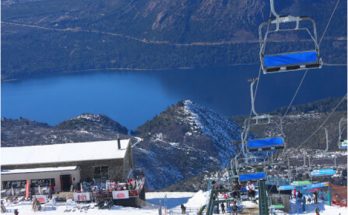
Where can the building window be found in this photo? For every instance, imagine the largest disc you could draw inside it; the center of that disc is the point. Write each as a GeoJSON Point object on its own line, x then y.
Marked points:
{"type": "Point", "coordinates": [43, 182]}
{"type": "Point", "coordinates": [14, 184]}
{"type": "Point", "coordinates": [101, 173]}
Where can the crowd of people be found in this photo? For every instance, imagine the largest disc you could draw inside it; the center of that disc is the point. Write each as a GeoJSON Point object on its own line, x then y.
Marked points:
{"type": "Point", "coordinates": [237, 188]}
{"type": "Point", "coordinates": [130, 184]}
{"type": "Point", "coordinates": [302, 200]}
{"type": "Point", "coordinates": [109, 185]}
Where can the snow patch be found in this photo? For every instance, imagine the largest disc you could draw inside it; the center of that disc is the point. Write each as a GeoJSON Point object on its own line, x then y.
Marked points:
{"type": "Point", "coordinates": [174, 144]}
{"type": "Point", "coordinates": [198, 199]}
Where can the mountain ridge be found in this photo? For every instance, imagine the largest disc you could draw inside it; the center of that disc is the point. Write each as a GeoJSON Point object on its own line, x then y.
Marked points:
{"type": "Point", "coordinates": [71, 36]}
{"type": "Point", "coordinates": [183, 143]}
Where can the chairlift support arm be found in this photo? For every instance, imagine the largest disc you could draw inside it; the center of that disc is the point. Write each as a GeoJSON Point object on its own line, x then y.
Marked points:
{"type": "Point", "coordinates": [253, 96]}
{"type": "Point", "coordinates": [340, 130]}
{"type": "Point", "coordinates": [287, 19]}
{"type": "Point", "coordinates": [274, 13]}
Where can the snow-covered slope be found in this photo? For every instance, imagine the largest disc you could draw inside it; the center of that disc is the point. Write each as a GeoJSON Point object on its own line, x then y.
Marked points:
{"type": "Point", "coordinates": [183, 141]}
{"type": "Point", "coordinates": [222, 131]}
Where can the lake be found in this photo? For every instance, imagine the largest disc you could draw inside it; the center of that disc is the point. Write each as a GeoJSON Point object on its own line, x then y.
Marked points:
{"type": "Point", "coordinates": [131, 98]}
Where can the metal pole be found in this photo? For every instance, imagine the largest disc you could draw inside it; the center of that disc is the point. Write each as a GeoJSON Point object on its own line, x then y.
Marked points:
{"type": "Point", "coordinates": [243, 143]}
{"type": "Point", "coordinates": [263, 200]}
{"type": "Point", "coordinates": [309, 161]}
{"type": "Point", "coordinates": [273, 9]}
{"type": "Point", "coordinates": [289, 170]}
{"type": "Point", "coordinates": [327, 140]}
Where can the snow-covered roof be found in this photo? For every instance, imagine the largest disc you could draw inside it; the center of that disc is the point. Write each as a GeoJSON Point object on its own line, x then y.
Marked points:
{"type": "Point", "coordinates": [68, 152]}
{"type": "Point", "coordinates": [33, 170]}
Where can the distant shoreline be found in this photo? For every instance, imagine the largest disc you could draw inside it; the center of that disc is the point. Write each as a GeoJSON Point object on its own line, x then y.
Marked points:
{"type": "Point", "coordinates": [116, 69]}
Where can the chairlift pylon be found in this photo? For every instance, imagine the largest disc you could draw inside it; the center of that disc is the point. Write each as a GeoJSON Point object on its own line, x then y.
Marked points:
{"type": "Point", "coordinates": [288, 61]}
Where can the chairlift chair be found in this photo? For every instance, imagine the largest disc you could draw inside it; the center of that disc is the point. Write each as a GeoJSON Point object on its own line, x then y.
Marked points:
{"type": "Point", "coordinates": [265, 144]}
{"type": "Point", "coordinates": [288, 61]}
{"type": "Point", "coordinates": [254, 176]}
{"type": "Point", "coordinates": [343, 145]}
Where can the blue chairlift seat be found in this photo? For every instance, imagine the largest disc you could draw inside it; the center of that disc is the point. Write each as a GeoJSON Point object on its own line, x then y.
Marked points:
{"type": "Point", "coordinates": [323, 172]}
{"type": "Point", "coordinates": [291, 61]}
{"type": "Point", "coordinates": [252, 176]}
{"type": "Point", "coordinates": [265, 144]}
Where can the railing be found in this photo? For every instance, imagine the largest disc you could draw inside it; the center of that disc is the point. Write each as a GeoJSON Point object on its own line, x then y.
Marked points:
{"type": "Point", "coordinates": [277, 181]}
{"type": "Point", "coordinates": [189, 211]}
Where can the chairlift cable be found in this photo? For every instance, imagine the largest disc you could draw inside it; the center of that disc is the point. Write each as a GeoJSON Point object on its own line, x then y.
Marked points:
{"type": "Point", "coordinates": [323, 123]}
{"type": "Point", "coordinates": [304, 75]}
{"type": "Point", "coordinates": [294, 96]}
{"type": "Point", "coordinates": [328, 24]}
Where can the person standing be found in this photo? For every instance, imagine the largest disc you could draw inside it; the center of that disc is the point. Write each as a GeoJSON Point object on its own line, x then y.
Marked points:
{"type": "Point", "coordinates": [294, 193]}
{"type": "Point", "coordinates": [183, 209]}
{"type": "Point", "coordinates": [3, 208]}
{"type": "Point", "coordinates": [303, 204]}
{"type": "Point", "coordinates": [236, 190]}
{"type": "Point", "coordinates": [223, 208]}
{"type": "Point", "coordinates": [298, 201]}
{"type": "Point", "coordinates": [316, 197]}
{"type": "Point", "coordinates": [234, 208]}
{"type": "Point", "coordinates": [251, 190]}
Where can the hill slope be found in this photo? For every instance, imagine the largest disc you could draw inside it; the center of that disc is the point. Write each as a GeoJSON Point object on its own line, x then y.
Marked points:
{"type": "Point", "coordinates": [83, 128]}
{"type": "Point", "coordinates": [183, 141]}
{"type": "Point", "coordinates": [99, 35]}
